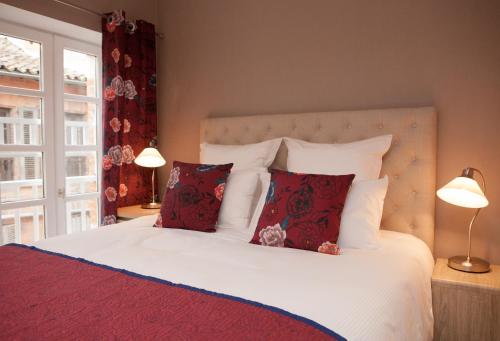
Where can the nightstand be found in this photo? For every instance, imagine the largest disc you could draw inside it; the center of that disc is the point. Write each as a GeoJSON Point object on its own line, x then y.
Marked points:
{"type": "Point", "coordinates": [135, 211]}
{"type": "Point", "coordinates": [466, 306]}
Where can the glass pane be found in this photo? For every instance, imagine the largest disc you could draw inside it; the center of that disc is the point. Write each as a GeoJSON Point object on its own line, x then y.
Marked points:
{"type": "Point", "coordinates": [79, 73]}
{"type": "Point", "coordinates": [21, 176]}
{"type": "Point", "coordinates": [80, 172]}
{"type": "Point", "coordinates": [20, 119]}
{"type": "Point", "coordinates": [80, 123]}
{"type": "Point", "coordinates": [19, 63]}
{"type": "Point", "coordinates": [22, 225]}
{"type": "Point", "coordinates": [81, 215]}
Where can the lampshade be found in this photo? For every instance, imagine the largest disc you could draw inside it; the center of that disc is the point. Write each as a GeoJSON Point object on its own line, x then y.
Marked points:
{"type": "Point", "coordinates": [150, 157]}
{"type": "Point", "coordinates": [463, 191]}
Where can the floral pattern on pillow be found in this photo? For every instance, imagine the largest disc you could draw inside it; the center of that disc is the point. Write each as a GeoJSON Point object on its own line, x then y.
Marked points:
{"type": "Point", "coordinates": [303, 211]}
{"type": "Point", "coordinates": [193, 196]}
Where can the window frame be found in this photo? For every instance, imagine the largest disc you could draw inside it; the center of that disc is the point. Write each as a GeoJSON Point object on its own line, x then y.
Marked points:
{"type": "Point", "coordinates": [64, 200]}
{"type": "Point", "coordinates": [47, 31]}
{"type": "Point", "coordinates": [46, 94]}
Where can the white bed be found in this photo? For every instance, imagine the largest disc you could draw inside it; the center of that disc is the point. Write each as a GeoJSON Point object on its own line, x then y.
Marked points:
{"type": "Point", "coordinates": [382, 294]}
{"type": "Point", "coordinates": [362, 295]}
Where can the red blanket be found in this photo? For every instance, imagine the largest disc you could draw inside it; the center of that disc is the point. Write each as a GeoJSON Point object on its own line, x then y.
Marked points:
{"type": "Point", "coordinates": [49, 296]}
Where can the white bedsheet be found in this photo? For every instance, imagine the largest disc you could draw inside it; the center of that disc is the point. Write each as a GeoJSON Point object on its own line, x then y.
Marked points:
{"type": "Point", "coordinates": [380, 294]}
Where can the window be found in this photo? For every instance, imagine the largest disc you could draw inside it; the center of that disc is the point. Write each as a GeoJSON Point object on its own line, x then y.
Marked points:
{"type": "Point", "coordinates": [7, 129]}
{"type": "Point", "coordinates": [81, 214]}
{"type": "Point", "coordinates": [49, 134]}
{"type": "Point", "coordinates": [76, 166]}
{"type": "Point", "coordinates": [20, 117]}
{"type": "Point", "coordinates": [20, 62]}
{"type": "Point", "coordinates": [22, 225]}
{"type": "Point", "coordinates": [80, 122]}
{"type": "Point", "coordinates": [29, 167]}
{"type": "Point", "coordinates": [7, 169]}
{"type": "Point", "coordinates": [8, 231]}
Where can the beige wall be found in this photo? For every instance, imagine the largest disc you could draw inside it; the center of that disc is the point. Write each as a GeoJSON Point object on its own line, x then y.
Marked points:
{"type": "Point", "coordinates": [135, 9]}
{"type": "Point", "coordinates": [236, 57]}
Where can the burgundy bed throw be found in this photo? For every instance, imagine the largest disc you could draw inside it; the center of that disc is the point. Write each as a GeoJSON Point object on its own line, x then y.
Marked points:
{"type": "Point", "coordinates": [50, 296]}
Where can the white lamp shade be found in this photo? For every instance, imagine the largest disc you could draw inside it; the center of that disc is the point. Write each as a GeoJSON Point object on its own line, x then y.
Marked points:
{"type": "Point", "coordinates": [150, 157]}
{"type": "Point", "coordinates": [463, 191]}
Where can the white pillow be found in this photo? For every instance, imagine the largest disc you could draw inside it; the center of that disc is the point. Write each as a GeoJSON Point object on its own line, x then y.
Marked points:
{"type": "Point", "coordinates": [362, 158]}
{"type": "Point", "coordinates": [242, 156]}
{"type": "Point", "coordinates": [362, 213]}
{"type": "Point", "coordinates": [239, 200]}
{"type": "Point", "coordinates": [264, 182]}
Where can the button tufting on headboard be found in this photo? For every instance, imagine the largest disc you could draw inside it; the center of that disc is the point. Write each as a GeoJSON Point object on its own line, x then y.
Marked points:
{"type": "Point", "coordinates": [410, 163]}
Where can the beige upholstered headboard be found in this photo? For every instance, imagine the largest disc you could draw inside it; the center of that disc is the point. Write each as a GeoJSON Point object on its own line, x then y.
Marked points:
{"type": "Point", "coordinates": [410, 162]}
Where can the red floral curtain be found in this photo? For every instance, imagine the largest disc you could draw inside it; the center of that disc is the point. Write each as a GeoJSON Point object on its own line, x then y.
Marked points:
{"type": "Point", "coordinates": [129, 111]}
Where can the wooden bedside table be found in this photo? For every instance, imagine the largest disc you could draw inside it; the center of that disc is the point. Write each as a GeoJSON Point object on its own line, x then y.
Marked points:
{"type": "Point", "coordinates": [466, 306]}
{"type": "Point", "coordinates": [131, 212]}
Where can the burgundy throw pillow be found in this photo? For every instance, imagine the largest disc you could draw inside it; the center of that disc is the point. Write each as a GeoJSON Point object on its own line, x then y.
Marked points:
{"type": "Point", "coordinates": [302, 211]}
{"type": "Point", "coordinates": [193, 197]}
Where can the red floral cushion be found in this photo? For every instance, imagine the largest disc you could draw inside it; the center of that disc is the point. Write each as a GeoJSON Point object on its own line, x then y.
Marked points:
{"type": "Point", "coordinates": [302, 211]}
{"type": "Point", "coordinates": [193, 197]}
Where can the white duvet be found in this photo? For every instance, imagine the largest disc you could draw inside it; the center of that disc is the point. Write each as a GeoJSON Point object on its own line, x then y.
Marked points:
{"type": "Point", "coordinates": [382, 294]}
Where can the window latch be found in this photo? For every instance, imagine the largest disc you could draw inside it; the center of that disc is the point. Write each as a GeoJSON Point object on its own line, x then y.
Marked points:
{"type": "Point", "coordinates": [60, 193]}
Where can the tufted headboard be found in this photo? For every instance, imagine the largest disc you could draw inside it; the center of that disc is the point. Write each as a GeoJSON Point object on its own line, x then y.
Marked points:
{"type": "Point", "coordinates": [410, 162]}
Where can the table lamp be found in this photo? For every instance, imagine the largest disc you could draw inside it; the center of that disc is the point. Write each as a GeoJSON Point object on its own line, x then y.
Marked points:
{"type": "Point", "coordinates": [464, 191]}
{"type": "Point", "coordinates": [151, 158]}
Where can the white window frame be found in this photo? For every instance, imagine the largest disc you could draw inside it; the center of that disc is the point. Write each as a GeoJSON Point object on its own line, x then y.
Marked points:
{"type": "Point", "coordinates": [45, 92]}
{"type": "Point", "coordinates": [54, 35]}
{"type": "Point", "coordinates": [60, 44]}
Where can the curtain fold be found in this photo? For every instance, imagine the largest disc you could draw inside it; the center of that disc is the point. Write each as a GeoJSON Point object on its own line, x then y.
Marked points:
{"type": "Point", "coordinates": [129, 111]}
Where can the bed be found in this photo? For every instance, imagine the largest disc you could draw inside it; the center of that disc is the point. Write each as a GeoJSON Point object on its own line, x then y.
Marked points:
{"type": "Point", "coordinates": [379, 294]}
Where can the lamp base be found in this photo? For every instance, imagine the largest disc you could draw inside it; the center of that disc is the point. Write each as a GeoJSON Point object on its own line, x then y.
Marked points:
{"type": "Point", "coordinates": [151, 205]}
{"type": "Point", "coordinates": [475, 265]}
